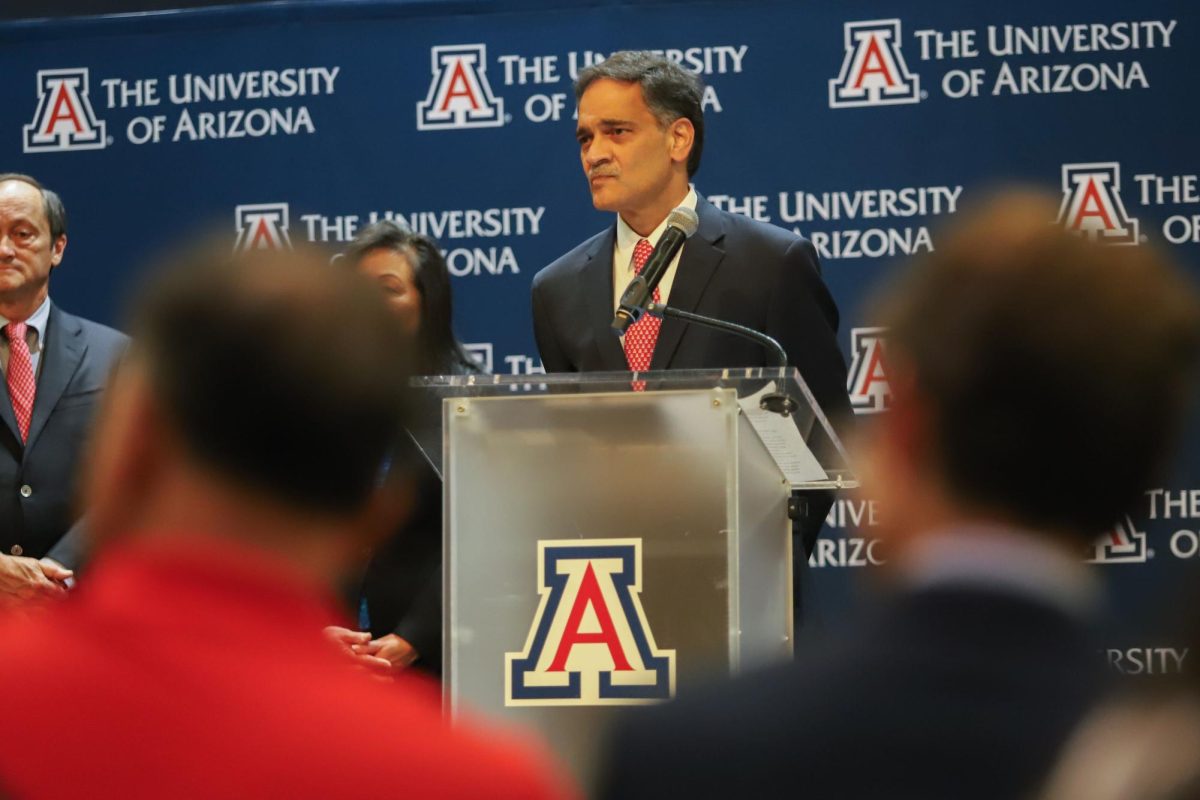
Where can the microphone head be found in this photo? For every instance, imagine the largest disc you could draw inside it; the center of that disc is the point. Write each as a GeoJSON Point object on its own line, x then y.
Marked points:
{"type": "Point", "coordinates": [685, 219]}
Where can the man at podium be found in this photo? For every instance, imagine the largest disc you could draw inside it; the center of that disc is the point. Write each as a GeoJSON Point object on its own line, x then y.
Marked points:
{"type": "Point", "coordinates": [641, 132]}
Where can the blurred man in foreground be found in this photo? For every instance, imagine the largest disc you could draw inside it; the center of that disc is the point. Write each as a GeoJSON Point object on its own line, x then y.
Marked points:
{"type": "Point", "coordinates": [1038, 380]}
{"type": "Point", "coordinates": [237, 474]}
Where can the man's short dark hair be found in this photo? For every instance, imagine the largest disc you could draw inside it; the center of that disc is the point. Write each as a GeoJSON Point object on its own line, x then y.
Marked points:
{"type": "Point", "coordinates": [278, 371]}
{"type": "Point", "coordinates": [1055, 370]}
{"type": "Point", "coordinates": [56, 213]}
{"type": "Point", "coordinates": [670, 91]}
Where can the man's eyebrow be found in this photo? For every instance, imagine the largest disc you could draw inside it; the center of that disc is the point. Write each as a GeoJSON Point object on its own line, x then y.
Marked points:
{"type": "Point", "coordinates": [604, 123]}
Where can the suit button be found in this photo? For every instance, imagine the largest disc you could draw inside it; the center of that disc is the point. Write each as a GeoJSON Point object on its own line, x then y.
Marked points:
{"type": "Point", "coordinates": [26, 490]}
{"type": "Point", "coordinates": [16, 550]}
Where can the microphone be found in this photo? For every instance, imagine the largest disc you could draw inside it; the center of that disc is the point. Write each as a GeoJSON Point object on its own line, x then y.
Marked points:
{"type": "Point", "coordinates": [681, 224]}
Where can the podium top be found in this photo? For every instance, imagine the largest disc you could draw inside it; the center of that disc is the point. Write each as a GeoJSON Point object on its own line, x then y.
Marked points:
{"type": "Point", "coordinates": [822, 464]}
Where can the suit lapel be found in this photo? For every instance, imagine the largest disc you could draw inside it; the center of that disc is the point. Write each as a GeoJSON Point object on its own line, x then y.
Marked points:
{"type": "Point", "coordinates": [6, 412]}
{"type": "Point", "coordinates": [701, 255]}
{"type": "Point", "coordinates": [60, 359]}
{"type": "Point", "coordinates": [597, 278]}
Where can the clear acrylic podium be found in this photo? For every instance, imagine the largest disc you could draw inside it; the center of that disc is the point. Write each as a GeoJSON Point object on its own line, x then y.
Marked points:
{"type": "Point", "coordinates": [608, 547]}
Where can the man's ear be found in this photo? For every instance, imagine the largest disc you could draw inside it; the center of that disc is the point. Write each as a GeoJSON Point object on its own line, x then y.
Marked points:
{"type": "Point", "coordinates": [56, 250]}
{"type": "Point", "coordinates": [681, 136]}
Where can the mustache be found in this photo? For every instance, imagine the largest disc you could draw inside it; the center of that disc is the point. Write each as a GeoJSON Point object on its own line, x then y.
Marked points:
{"type": "Point", "coordinates": [602, 172]}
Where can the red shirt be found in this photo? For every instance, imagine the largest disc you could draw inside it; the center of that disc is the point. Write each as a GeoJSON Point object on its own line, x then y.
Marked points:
{"type": "Point", "coordinates": [199, 669]}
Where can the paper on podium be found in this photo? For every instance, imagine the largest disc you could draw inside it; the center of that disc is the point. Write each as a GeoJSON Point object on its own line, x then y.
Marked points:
{"type": "Point", "coordinates": [782, 439]}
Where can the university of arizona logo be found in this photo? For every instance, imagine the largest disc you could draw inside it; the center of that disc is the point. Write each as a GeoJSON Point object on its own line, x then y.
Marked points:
{"type": "Point", "coordinates": [484, 354]}
{"type": "Point", "coordinates": [1124, 544]}
{"type": "Point", "coordinates": [589, 643]}
{"type": "Point", "coordinates": [873, 70]}
{"type": "Point", "coordinates": [867, 382]}
{"type": "Point", "coordinates": [1092, 204]}
{"type": "Point", "coordinates": [64, 119]}
{"type": "Point", "coordinates": [459, 94]}
{"type": "Point", "coordinates": [262, 227]}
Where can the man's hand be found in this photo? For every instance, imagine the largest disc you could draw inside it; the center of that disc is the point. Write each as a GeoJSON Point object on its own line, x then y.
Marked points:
{"type": "Point", "coordinates": [358, 645]}
{"type": "Point", "coordinates": [56, 571]}
{"type": "Point", "coordinates": [24, 578]}
{"type": "Point", "coordinates": [387, 655]}
{"type": "Point", "coordinates": [396, 651]}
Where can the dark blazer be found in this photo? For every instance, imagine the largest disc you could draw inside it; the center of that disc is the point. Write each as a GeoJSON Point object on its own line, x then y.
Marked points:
{"type": "Point", "coordinates": [402, 585]}
{"type": "Point", "coordinates": [946, 693]}
{"type": "Point", "coordinates": [733, 268]}
{"type": "Point", "coordinates": [38, 480]}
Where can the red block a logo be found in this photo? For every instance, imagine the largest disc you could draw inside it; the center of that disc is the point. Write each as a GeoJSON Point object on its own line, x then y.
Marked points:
{"type": "Point", "coordinates": [867, 382]}
{"type": "Point", "coordinates": [263, 226]}
{"type": "Point", "coordinates": [459, 94]}
{"type": "Point", "coordinates": [590, 643]}
{"type": "Point", "coordinates": [873, 69]}
{"type": "Point", "coordinates": [1092, 204]}
{"type": "Point", "coordinates": [64, 119]}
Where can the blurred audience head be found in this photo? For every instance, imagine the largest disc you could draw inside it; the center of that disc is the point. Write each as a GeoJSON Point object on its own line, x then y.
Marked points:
{"type": "Point", "coordinates": [410, 271]}
{"type": "Point", "coordinates": [1038, 378]}
{"type": "Point", "coordinates": [264, 379]}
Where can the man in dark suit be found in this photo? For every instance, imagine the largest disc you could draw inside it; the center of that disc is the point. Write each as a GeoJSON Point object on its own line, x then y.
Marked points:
{"type": "Point", "coordinates": [641, 132]}
{"type": "Point", "coordinates": [55, 365]}
{"type": "Point", "coordinates": [1037, 380]}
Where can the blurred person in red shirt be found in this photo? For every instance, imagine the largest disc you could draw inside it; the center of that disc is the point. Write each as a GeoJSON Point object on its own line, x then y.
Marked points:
{"type": "Point", "coordinates": [236, 475]}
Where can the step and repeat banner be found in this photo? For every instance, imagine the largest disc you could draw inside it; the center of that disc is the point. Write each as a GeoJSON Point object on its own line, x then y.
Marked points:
{"type": "Point", "coordinates": [862, 126]}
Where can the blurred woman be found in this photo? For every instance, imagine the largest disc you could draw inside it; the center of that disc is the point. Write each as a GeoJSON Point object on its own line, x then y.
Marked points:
{"type": "Point", "coordinates": [400, 608]}
{"type": "Point", "coordinates": [412, 275]}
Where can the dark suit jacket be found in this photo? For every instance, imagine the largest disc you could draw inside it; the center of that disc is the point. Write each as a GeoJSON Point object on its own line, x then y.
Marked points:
{"type": "Point", "coordinates": [403, 581]}
{"type": "Point", "coordinates": [76, 362]}
{"type": "Point", "coordinates": [733, 268]}
{"type": "Point", "coordinates": [950, 692]}
{"type": "Point", "coordinates": [402, 585]}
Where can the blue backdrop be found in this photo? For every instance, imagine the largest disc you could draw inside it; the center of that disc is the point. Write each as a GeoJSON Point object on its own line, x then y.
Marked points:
{"type": "Point", "coordinates": [861, 125]}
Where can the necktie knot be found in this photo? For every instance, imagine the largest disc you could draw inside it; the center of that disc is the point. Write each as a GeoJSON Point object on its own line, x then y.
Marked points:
{"type": "Point", "coordinates": [14, 331]}
{"type": "Point", "coordinates": [641, 254]}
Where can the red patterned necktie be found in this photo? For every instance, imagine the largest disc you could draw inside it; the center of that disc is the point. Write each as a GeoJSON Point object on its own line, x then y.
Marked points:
{"type": "Point", "coordinates": [641, 336]}
{"type": "Point", "coordinates": [21, 386]}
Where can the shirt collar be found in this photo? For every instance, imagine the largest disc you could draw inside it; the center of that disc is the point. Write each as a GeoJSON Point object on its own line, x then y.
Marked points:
{"type": "Point", "coordinates": [1007, 559]}
{"type": "Point", "coordinates": [37, 320]}
{"type": "Point", "coordinates": [627, 237]}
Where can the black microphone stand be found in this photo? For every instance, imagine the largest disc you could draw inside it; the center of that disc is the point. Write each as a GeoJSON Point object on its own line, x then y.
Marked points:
{"type": "Point", "coordinates": [779, 401]}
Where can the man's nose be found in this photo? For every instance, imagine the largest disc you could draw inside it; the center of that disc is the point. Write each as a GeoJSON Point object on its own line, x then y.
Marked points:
{"type": "Point", "coordinates": [6, 247]}
{"type": "Point", "coordinates": [596, 154]}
